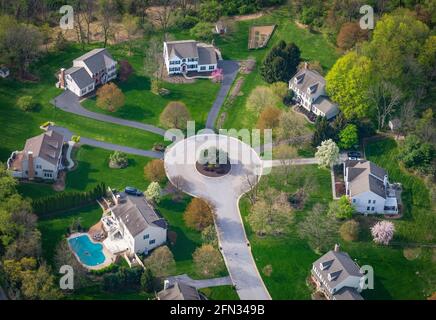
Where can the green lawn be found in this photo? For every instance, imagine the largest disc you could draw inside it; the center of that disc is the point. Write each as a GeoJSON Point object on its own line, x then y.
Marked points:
{"type": "Point", "coordinates": [313, 46]}
{"type": "Point", "coordinates": [220, 293]}
{"type": "Point", "coordinates": [291, 258]}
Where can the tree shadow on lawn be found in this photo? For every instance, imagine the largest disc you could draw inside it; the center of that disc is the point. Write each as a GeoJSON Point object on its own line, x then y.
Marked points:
{"type": "Point", "coordinates": [79, 179]}
{"type": "Point", "coordinates": [378, 293]}
{"type": "Point", "coordinates": [135, 82]}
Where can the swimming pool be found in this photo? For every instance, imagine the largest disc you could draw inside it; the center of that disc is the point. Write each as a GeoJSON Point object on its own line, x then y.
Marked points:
{"type": "Point", "coordinates": [90, 253]}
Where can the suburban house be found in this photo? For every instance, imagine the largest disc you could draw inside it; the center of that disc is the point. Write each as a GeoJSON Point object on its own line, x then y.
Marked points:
{"type": "Point", "coordinates": [309, 89]}
{"type": "Point", "coordinates": [337, 276]}
{"type": "Point", "coordinates": [179, 291]}
{"type": "Point", "coordinates": [132, 225]}
{"type": "Point", "coordinates": [90, 70]}
{"type": "Point", "coordinates": [41, 157]}
{"type": "Point", "coordinates": [4, 72]}
{"type": "Point", "coordinates": [189, 56]}
{"type": "Point", "coordinates": [368, 188]}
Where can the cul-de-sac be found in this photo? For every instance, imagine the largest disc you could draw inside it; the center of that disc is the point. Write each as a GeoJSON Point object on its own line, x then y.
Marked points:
{"type": "Point", "coordinates": [217, 150]}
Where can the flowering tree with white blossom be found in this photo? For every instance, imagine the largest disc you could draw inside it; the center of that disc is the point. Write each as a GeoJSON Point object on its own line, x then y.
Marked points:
{"type": "Point", "coordinates": [327, 153]}
{"type": "Point", "coordinates": [383, 232]}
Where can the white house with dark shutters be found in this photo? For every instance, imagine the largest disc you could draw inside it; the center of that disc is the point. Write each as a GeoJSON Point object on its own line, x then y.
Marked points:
{"type": "Point", "coordinates": [132, 225]}
{"type": "Point", "coordinates": [189, 56]}
{"type": "Point", "coordinates": [368, 188]}
{"type": "Point", "coordinates": [94, 68]}
{"type": "Point", "coordinates": [309, 90]}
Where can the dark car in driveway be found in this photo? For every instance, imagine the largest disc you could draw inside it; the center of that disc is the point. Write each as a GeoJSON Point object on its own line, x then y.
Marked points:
{"type": "Point", "coordinates": [354, 155]}
{"type": "Point", "coordinates": [133, 191]}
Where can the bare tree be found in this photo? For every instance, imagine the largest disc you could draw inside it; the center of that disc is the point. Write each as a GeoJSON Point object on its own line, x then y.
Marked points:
{"type": "Point", "coordinates": [107, 13]}
{"type": "Point", "coordinates": [88, 14]}
{"type": "Point", "coordinates": [407, 116]}
{"type": "Point", "coordinates": [386, 97]}
{"type": "Point", "coordinates": [251, 183]}
{"type": "Point", "coordinates": [164, 13]}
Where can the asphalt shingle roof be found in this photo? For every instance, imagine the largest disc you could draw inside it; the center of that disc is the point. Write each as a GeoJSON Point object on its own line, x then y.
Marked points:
{"type": "Point", "coordinates": [365, 176]}
{"type": "Point", "coordinates": [179, 291]}
{"type": "Point", "coordinates": [182, 49]}
{"type": "Point", "coordinates": [80, 76]}
{"type": "Point", "coordinates": [48, 146]}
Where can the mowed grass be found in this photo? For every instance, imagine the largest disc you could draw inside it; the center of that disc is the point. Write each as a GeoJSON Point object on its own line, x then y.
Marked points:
{"type": "Point", "coordinates": [16, 125]}
{"type": "Point", "coordinates": [291, 258]}
{"type": "Point", "coordinates": [220, 293]}
{"type": "Point", "coordinates": [313, 46]}
{"type": "Point", "coordinates": [419, 216]}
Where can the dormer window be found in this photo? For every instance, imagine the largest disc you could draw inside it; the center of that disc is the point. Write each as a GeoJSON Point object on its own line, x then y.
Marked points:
{"type": "Point", "coordinates": [333, 275]}
{"type": "Point", "coordinates": [325, 265]}
{"type": "Point", "coordinates": [299, 78]}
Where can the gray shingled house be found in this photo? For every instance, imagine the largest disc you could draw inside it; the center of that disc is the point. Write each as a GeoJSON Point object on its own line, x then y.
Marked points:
{"type": "Point", "coordinates": [179, 291]}
{"type": "Point", "coordinates": [337, 276]}
{"type": "Point", "coordinates": [41, 157]}
{"type": "Point", "coordinates": [309, 89]}
{"type": "Point", "coordinates": [368, 188]}
{"type": "Point", "coordinates": [189, 56]}
{"type": "Point", "coordinates": [90, 70]}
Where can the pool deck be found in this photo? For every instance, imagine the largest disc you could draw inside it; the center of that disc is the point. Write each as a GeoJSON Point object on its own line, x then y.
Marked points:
{"type": "Point", "coordinates": [109, 258]}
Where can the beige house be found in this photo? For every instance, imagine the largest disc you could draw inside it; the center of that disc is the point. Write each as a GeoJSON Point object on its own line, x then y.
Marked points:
{"type": "Point", "coordinates": [41, 157]}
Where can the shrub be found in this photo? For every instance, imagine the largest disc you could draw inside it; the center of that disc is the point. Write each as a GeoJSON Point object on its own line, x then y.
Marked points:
{"type": "Point", "coordinates": [175, 115]}
{"type": "Point", "coordinates": [260, 98]}
{"type": "Point", "coordinates": [341, 209]}
{"type": "Point", "coordinates": [155, 171]}
{"type": "Point", "coordinates": [349, 230]}
{"type": "Point", "coordinates": [118, 160]}
{"type": "Point", "coordinates": [110, 97]}
{"type": "Point", "coordinates": [75, 139]}
{"type": "Point", "coordinates": [208, 261]}
{"type": "Point", "coordinates": [198, 214]}
{"type": "Point", "coordinates": [26, 103]}
{"type": "Point", "coordinates": [349, 137]}
{"type": "Point", "coordinates": [153, 192]}
{"type": "Point", "coordinates": [126, 70]}
{"type": "Point", "coordinates": [383, 232]}
{"type": "Point", "coordinates": [202, 31]}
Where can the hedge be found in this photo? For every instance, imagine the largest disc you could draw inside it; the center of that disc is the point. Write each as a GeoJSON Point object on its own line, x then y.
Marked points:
{"type": "Point", "coordinates": [67, 200]}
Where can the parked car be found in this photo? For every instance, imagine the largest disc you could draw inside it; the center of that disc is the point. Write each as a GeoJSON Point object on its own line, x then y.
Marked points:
{"type": "Point", "coordinates": [354, 155]}
{"type": "Point", "coordinates": [133, 191]}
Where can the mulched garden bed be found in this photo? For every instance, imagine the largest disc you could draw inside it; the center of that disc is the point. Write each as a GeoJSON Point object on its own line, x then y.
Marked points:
{"type": "Point", "coordinates": [222, 170]}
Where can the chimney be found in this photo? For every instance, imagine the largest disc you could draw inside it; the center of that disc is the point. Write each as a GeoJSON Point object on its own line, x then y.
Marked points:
{"type": "Point", "coordinates": [30, 169]}
{"type": "Point", "coordinates": [166, 284]}
{"type": "Point", "coordinates": [62, 78]}
{"type": "Point", "coordinates": [336, 247]}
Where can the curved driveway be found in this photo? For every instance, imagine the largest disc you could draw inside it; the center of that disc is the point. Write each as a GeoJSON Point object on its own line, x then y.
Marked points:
{"type": "Point", "coordinates": [224, 194]}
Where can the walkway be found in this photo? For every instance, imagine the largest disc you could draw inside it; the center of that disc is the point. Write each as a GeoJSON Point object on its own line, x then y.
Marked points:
{"type": "Point", "coordinates": [106, 145]}
{"type": "Point", "coordinates": [69, 102]}
{"type": "Point", "coordinates": [224, 194]}
{"type": "Point", "coordinates": [230, 70]}
{"type": "Point", "coordinates": [289, 162]}
{"type": "Point", "coordinates": [200, 284]}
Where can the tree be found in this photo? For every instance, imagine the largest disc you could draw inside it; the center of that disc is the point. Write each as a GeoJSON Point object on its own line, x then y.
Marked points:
{"type": "Point", "coordinates": [165, 13]}
{"type": "Point", "coordinates": [155, 170]}
{"type": "Point", "coordinates": [292, 128]}
{"type": "Point", "coordinates": [108, 14]}
{"type": "Point", "coordinates": [349, 137]}
{"type": "Point", "coordinates": [327, 153]}
{"type": "Point", "coordinates": [272, 214]}
{"type": "Point", "coordinates": [198, 214]}
{"type": "Point", "coordinates": [280, 89]}
{"type": "Point", "coordinates": [118, 160]}
{"type": "Point", "coordinates": [64, 256]}
{"type": "Point", "coordinates": [20, 45]}
{"type": "Point", "coordinates": [319, 229]}
{"type": "Point", "coordinates": [323, 131]}
{"type": "Point", "coordinates": [202, 31]}
{"type": "Point", "coordinates": [147, 281]}
{"type": "Point", "coordinates": [281, 62]}
{"type": "Point", "coordinates": [349, 35]}
{"type": "Point", "coordinates": [383, 232]}
{"type": "Point", "coordinates": [153, 62]}
{"type": "Point", "coordinates": [153, 192]}
{"type": "Point", "coordinates": [46, 33]}
{"type": "Point", "coordinates": [348, 83]}
{"type": "Point", "coordinates": [175, 115]}
{"type": "Point", "coordinates": [208, 261]}
{"type": "Point", "coordinates": [110, 97]}
{"type": "Point", "coordinates": [260, 98]}
{"type": "Point", "coordinates": [341, 209]}
{"type": "Point", "coordinates": [416, 154]}
{"type": "Point", "coordinates": [126, 70]}
{"type": "Point", "coordinates": [269, 118]}
{"type": "Point", "coordinates": [386, 97]}
{"type": "Point", "coordinates": [209, 236]}
{"type": "Point", "coordinates": [349, 230]}
{"type": "Point", "coordinates": [131, 24]}
{"type": "Point", "coordinates": [26, 103]}
{"type": "Point", "coordinates": [210, 10]}
{"type": "Point", "coordinates": [89, 7]}
{"type": "Point", "coordinates": [161, 262]}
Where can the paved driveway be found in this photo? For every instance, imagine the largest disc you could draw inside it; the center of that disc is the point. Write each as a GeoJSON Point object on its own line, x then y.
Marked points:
{"type": "Point", "coordinates": [108, 146]}
{"type": "Point", "coordinates": [200, 284]}
{"type": "Point", "coordinates": [69, 102]}
{"type": "Point", "coordinates": [224, 194]}
{"type": "Point", "coordinates": [230, 70]}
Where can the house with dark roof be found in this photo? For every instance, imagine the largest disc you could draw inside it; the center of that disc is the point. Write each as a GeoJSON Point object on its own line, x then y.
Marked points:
{"type": "Point", "coordinates": [337, 276]}
{"type": "Point", "coordinates": [179, 291]}
{"type": "Point", "coordinates": [133, 226]}
{"type": "Point", "coordinates": [309, 89]}
{"type": "Point", "coordinates": [189, 56]}
{"type": "Point", "coordinates": [41, 157]}
{"type": "Point", "coordinates": [368, 188]}
{"type": "Point", "coordinates": [94, 68]}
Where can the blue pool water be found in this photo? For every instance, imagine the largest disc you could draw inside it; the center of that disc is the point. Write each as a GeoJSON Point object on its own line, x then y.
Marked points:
{"type": "Point", "coordinates": [89, 253]}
